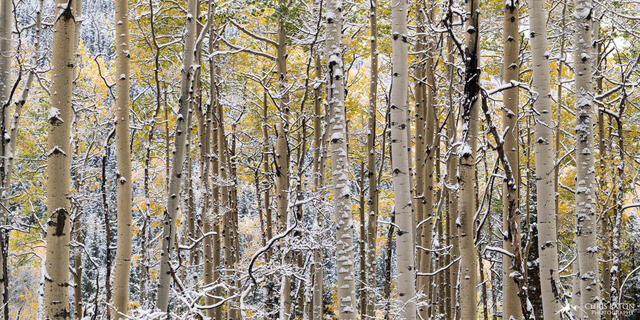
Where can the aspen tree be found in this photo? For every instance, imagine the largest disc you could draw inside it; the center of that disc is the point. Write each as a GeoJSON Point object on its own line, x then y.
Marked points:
{"type": "Point", "coordinates": [337, 127]}
{"type": "Point", "coordinates": [226, 211]}
{"type": "Point", "coordinates": [318, 184]}
{"type": "Point", "coordinates": [144, 265]}
{"type": "Point", "coordinates": [510, 70]}
{"type": "Point", "coordinates": [423, 158]}
{"type": "Point", "coordinates": [175, 177]}
{"type": "Point", "coordinates": [282, 155]}
{"type": "Point", "coordinates": [6, 24]}
{"type": "Point", "coordinates": [56, 293]}
{"type": "Point", "coordinates": [425, 232]}
{"type": "Point", "coordinates": [362, 272]}
{"type": "Point", "coordinates": [77, 233]}
{"type": "Point", "coordinates": [544, 163]}
{"type": "Point", "coordinates": [619, 182]}
{"type": "Point", "coordinates": [605, 219]}
{"type": "Point", "coordinates": [452, 180]}
{"type": "Point", "coordinates": [208, 205]}
{"type": "Point", "coordinates": [420, 97]}
{"type": "Point", "coordinates": [372, 217]}
{"type": "Point", "coordinates": [586, 240]}
{"type": "Point", "coordinates": [467, 166]}
{"type": "Point", "coordinates": [215, 198]}
{"type": "Point", "coordinates": [588, 275]}
{"type": "Point", "coordinates": [403, 205]}
{"type": "Point", "coordinates": [123, 155]}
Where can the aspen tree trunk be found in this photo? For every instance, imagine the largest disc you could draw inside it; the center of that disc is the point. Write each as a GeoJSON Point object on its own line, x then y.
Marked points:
{"type": "Point", "coordinates": [318, 185]}
{"type": "Point", "coordinates": [144, 265]}
{"type": "Point", "coordinates": [425, 233]}
{"type": "Point", "coordinates": [420, 97]}
{"type": "Point", "coordinates": [215, 200]}
{"type": "Point", "coordinates": [56, 293]}
{"type": "Point", "coordinates": [451, 183]}
{"type": "Point", "coordinates": [282, 159]}
{"type": "Point", "coordinates": [576, 290]}
{"type": "Point", "coordinates": [123, 155]}
{"type": "Point", "coordinates": [511, 72]}
{"type": "Point", "coordinates": [107, 222]}
{"type": "Point", "coordinates": [387, 270]}
{"type": "Point", "coordinates": [424, 161]}
{"type": "Point", "coordinates": [236, 233]}
{"type": "Point", "coordinates": [77, 265]}
{"type": "Point", "coordinates": [547, 237]}
{"type": "Point", "coordinates": [266, 150]}
{"type": "Point", "coordinates": [340, 161]}
{"type": "Point", "coordinates": [209, 206]}
{"type": "Point", "coordinates": [227, 224]}
{"type": "Point", "coordinates": [403, 205]}
{"type": "Point", "coordinates": [15, 121]}
{"type": "Point", "coordinates": [587, 248]}
{"type": "Point", "coordinates": [235, 302]}
{"type": "Point", "coordinates": [361, 243]}
{"type": "Point", "coordinates": [175, 178]}
{"type": "Point", "coordinates": [77, 233]}
{"type": "Point", "coordinates": [467, 154]}
{"type": "Point", "coordinates": [6, 24]}
{"type": "Point", "coordinates": [372, 219]}
{"type": "Point", "coordinates": [559, 106]}
{"type": "Point", "coordinates": [616, 307]}
{"type": "Point", "coordinates": [605, 219]}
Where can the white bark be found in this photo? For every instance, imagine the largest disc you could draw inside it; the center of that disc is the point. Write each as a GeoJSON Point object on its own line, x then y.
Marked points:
{"type": "Point", "coordinates": [340, 162]}
{"type": "Point", "coordinates": [585, 209]}
{"type": "Point", "coordinates": [175, 178]}
{"type": "Point", "coordinates": [511, 72]}
{"type": "Point", "coordinates": [56, 290]}
{"type": "Point", "coordinates": [282, 160]}
{"type": "Point", "coordinates": [403, 205]}
{"type": "Point", "coordinates": [372, 216]}
{"type": "Point", "coordinates": [467, 167]}
{"type": "Point", "coordinates": [318, 187]}
{"type": "Point", "coordinates": [544, 159]}
{"type": "Point", "coordinates": [6, 21]}
{"type": "Point", "coordinates": [123, 155]}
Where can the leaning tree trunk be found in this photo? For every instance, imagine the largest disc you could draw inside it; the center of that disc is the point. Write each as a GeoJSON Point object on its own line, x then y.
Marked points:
{"type": "Point", "coordinates": [586, 240]}
{"type": "Point", "coordinates": [403, 205]}
{"type": "Point", "coordinates": [175, 178]}
{"type": "Point", "coordinates": [511, 72]}
{"type": "Point", "coordinates": [123, 156]}
{"type": "Point", "coordinates": [544, 159]}
{"type": "Point", "coordinates": [467, 165]}
{"type": "Point", "coordinates": [340, 162]}
{"type": "Point", "coordinates": [56, 293]}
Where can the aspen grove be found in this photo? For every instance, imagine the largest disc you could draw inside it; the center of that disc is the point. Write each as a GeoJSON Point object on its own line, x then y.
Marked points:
{"type": "Point", "coordinates": [320, 159]}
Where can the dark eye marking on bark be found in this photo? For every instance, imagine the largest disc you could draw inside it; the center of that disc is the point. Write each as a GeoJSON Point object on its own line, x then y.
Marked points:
{"type": "Point", "coordinates": [58, 220]}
